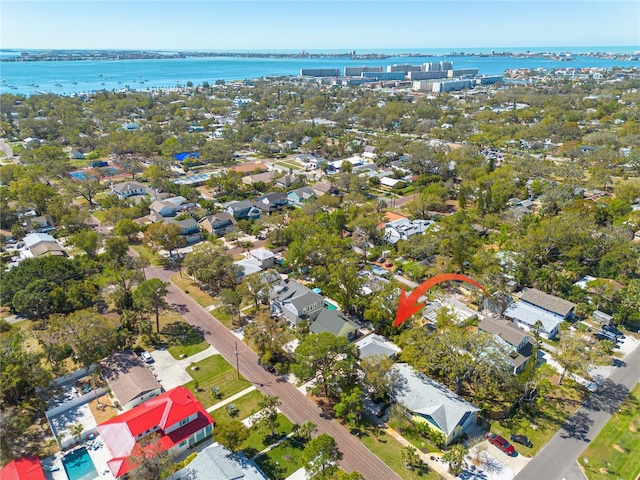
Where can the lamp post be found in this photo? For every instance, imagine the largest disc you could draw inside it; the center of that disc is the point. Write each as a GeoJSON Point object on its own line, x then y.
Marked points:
{"type": "Point", "coordinates": [237, 362]}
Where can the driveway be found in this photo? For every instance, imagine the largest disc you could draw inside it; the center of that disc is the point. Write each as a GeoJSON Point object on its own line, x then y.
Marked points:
{"type": "Point", "coordinates": [169, 371]}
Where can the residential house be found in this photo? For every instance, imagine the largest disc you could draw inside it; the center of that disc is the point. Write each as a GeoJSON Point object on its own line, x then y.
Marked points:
{"type": "Point", "coordinates": [310, 161]}
{"type": "Point", "coordinates": [333, 321]}
{"type": "Point", "coordinates": [246, 266]}
{"type": "Point", "coordinates": [514, 342]}
{"type": "Point", "coordinates": [296, 302]}
{"type": "Point", "coordinates": [636, 236]}
{"type": "Point", "coordinates": [271, 202]}
{"type": "Point", "coordinates": [218, 463]}
{"type": "Point", "coordinates": [432, 403]}
{"type": "Point", "coordinates": [264, 257]}
{"type": "Point", "coordinates": [26, 468]}
{"type": "Point", "coordinates": [189, 230]}
{"type": "Point", "coordinates": [40, 224]}
{"type": "Point", "coordinates": [169, 207]}
{"type": "Point", "coordinates": [403, 228]}
{"type": "Point", "coordinates": [322, 188]}
{"type": "Point", "coordinates": [602, 318]}
{"type": "Point", "coordinates": [179, 420]}
{"type": "Point", "coordinates": [77, 154]}
{"type": "Point", "coordinates": [285, 181]}
{"type": "Point", "coordinates": [455, 307]}
{"type": "Point", "coordinates": [535, 306]}
{"type": "Point", "coordinates": [129, 379]}
{"type": "Point", "coordinates": [40, 245]}
{"type": "Point", "coordinates": [265, 177]}
{"type": "Point", "coordinates": [218, 224]}
{"type": "Point", "coordinates": [369, 153]}
{"type": "Point", "coordinates": [373, 344]}
{"type": "Point", "coordinates": [548, 303]}
{"type": "Point", "coordinates": [244, 209]}
{"type": "Point", "coordinates": [392, 182]}
{"type": "Point", "coordinates": [300, 195]}
{"type": "Point", "coordinates": [127, 189]}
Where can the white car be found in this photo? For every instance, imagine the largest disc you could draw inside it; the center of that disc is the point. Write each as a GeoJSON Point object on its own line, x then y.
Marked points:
{"type": "Point", "coordinates": [146, 356]}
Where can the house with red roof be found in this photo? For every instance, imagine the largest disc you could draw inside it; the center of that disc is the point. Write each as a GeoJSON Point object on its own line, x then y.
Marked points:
{"type": "Point", "coordinates": [178, 419]}
{"type": "Point", "coordinates": [27, 468]}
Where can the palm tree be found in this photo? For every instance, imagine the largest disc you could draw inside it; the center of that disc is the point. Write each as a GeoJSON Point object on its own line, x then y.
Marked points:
{"type": "Point", "coordinates": [76, 431]}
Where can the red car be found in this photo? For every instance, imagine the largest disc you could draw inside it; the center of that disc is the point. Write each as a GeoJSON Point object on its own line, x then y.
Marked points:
{"type": "Point", "coordinates": [501, 443]}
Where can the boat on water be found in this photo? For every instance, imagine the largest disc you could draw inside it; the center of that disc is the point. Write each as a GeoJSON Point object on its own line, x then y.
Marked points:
{"type": "Point", "coordinates": [41, 92]}
{"type": "Point", "coordinates": [57, 84]}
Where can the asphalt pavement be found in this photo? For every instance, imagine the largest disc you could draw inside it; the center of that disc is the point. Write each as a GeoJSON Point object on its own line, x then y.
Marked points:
{"type": "Point", "coordinates": [558, 459]}
{"type": "Point", "coordinates": [295, 405]}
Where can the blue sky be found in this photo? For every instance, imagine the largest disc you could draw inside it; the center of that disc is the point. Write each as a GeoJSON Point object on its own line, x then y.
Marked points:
{"type": "Point", "coordinates": [316, 25]}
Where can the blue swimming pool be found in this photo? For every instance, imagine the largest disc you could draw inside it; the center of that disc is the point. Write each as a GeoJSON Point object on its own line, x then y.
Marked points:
{"type": "Point", "coordinates": [79, 466]}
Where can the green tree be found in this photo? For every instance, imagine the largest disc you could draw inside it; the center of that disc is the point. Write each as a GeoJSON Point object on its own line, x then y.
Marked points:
{"type": "Point", "coordinates": [231, 301]}
{"type": "Point", "coordinates": [116, 249]}
{"type": "Point", "coordinates": [350, 406]}
{"type": "Point", "coordinates": [306, 429]}
{"type": "Point", "coordinates": [35, 300]}
{"type": "Point", "coordinates": [575, 354]}
{"type": "Point", "coordinates": [86, 240]}
{"type": "Point", "coordinates": [231, 434]}
{"type": "Point", "coordinates": [269, 414]}
{"type": "Point", "coordinates": [86, 189]}
{"type": "Point", "coordinates": [331, 360]}
{"type": "Point", "coordinates": [410, 457]}
{"type": "Point", "coordinates": [127, 228]}
{"type": "Point", "coordinates": [149, 459]}
{"type": "Point", "coordinates": [150, 296]}
{"type": "Point", "coordinates": [455, 455]}
{"type": "Point", "coordinates": [164, 236]}
{"type": "Point", "coordinates": [379, 378]}
{"type": "Point", "coordinates": [320, 455]}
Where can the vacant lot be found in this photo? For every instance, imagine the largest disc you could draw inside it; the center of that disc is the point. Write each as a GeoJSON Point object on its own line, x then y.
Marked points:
{"type": "Point", "coordinates": [615, 451]}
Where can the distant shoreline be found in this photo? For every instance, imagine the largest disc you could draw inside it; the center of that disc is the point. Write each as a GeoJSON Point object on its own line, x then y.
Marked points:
{"type": "Point", "coordinates": [114, 55]}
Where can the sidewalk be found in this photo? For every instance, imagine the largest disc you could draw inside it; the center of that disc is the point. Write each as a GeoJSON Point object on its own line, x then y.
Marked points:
{"type": "Point", "coordinates": [196, 357]}
{"type": "Point", "coordinates": [231, 399]}
{"type": "Point", "coordinates": [438, 467]}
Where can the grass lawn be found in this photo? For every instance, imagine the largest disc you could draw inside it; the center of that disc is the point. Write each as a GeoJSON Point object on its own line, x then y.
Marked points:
{"type": "Point", "coordinates": [146, 253]}
{"type": "Point", "coordinates": [282, 461]}
{"type": "Point", "coordinates": [388, 449]}
{"type": "Point", "coordinates": [258, 440]}
{"type": "Point", "coordinates": [192, 289]}
{"type": "Point", "coordinates": [559, 404]}
{"type": "Point", "coordinates": [614, 452]}
{"type": "Point", "coordinates": [224, 318]}
{"type": "Point", "coordinates": [215, 371]}
{"type": "Point", "coordinates": [247, 405]}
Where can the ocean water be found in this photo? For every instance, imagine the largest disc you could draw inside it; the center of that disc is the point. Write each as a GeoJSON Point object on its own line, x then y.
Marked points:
{"type": "Point", "coordinates": [65, 78]}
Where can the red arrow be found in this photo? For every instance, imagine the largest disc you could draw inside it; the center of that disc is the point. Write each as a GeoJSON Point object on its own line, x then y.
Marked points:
{"type": "Point", "coordinates": [409, 305]}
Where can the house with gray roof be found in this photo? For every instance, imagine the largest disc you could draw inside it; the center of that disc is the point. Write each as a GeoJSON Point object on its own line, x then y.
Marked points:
{"type": "Point", "coordinates": [513, 342]}
{"type": "Point", "coordinates": [189, 231]}
{"type": "Point", "coordinates": [525, 316]}
{"type": "Point", "coordinates": [548, 303]}
{"type": "Point", "coordinates": [129, 379]}
{"type": "Point", "coordinates": [243, 210]}
{"type": "Point", "coordinates": [218, 224]}
{"type": "Point", "coordinates": [127, 189]}
{"type": "Point", "coordinates": [216, 462]}
{"type": "Point", "coordinates": [432, 403]}
{"type": "Point", "coordinates": [334, 322]}
{"type": "Point", "coordinates": [296, 302]}
{"type": "Point", "coordinates": [271, 202]}
{"type": "Point", "coordinates": [403, 228]}
{"type": "Point", "coordinates": [300, 195]}
{"type": "Point", "coordinates": [373, 344]}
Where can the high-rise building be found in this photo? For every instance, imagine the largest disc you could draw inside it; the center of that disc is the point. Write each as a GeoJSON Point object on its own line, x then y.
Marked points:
{"type": "Point", "coordinates": [406, 68]}
{"type": "Point", "coordinates": [357, 71]}
{"type": "Point", "coordinates": [319, 72]}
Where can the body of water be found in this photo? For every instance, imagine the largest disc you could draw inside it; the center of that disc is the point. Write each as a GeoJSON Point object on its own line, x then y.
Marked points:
{"type": "Point", "coordinates": [66, 78]}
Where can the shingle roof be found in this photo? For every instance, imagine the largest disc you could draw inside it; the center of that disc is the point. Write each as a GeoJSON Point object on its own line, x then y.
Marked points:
{"type": "Point", "coordinates": [331, 321]}
{"type": "Point", "coordinates": [420, 394]}
{"type": "Point", "coordinates": [126, 186]}
{"type": "Point", "coordinates": [506, 330]}
{"type": "Point", "coordinates": [127, 376]}
{"type": "Point", "coordinates": [547, 302]}
{"type": "Point", "coordinates": [376, 345]}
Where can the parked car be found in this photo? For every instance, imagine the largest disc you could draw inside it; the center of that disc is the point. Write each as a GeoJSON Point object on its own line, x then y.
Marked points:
{"type": "Point", "coordinates": [388, 264]}
{"type": "Point", "coordinates": [521, 439]}
{"type": "Point", "coordinates": [268, 368]}
{"type": "Point", "coordinates": [501, 443]}
{"type": "Point", "coordinates": [613, 330]}
{"type": "Point", "coordinates": [606, 335]}
{"type": "Point", "coordinates": [146, 356]}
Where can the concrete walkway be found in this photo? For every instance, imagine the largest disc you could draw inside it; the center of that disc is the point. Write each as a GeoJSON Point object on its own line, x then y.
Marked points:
{"type": "Point", "coordinates": [272, 446]}
{"type": "Point", "coordinates": [231, 399]}
{"type": "Point", "coordinates": [197, 357]}
{"type": "Point", "coordinates": [439, 467]}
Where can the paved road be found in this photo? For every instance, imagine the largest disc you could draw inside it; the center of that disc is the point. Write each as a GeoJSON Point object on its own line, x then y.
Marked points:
{"type": "Point", "coordinates": [296, 406]}
{"type": "Point", "coordinates": [558, 459]}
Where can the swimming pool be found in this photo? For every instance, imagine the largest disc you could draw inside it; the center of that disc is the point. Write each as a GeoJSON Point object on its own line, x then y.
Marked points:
{"type": "Point", "coordinates": [79, 466]}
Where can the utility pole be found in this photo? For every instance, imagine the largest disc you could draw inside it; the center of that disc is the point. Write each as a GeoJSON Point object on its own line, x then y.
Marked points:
{"type": "Point", "coordinates": [237, 362]}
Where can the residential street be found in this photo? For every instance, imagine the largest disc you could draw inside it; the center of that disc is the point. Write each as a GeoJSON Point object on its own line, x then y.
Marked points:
{"type": "Point", "coordinates": [558, 459]}
{"type": "Point", "coordinates": [295, 405]}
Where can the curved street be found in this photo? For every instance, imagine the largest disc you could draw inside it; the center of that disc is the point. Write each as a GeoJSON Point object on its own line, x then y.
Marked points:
{"type": "Point", "coordinates": [558, 460]}
{"type": "Point", "coordinates": [296, 406]}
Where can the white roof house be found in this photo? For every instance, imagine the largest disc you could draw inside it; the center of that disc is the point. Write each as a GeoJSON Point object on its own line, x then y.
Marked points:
{"type": "Point", "coordinates": [525, 315]}
{"type": "Point", "coordinates": [433, 403]}
{"type": "Point", "coordinates": [403, 228]}
{"type": "Point", "coordinates": [374, 344]}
